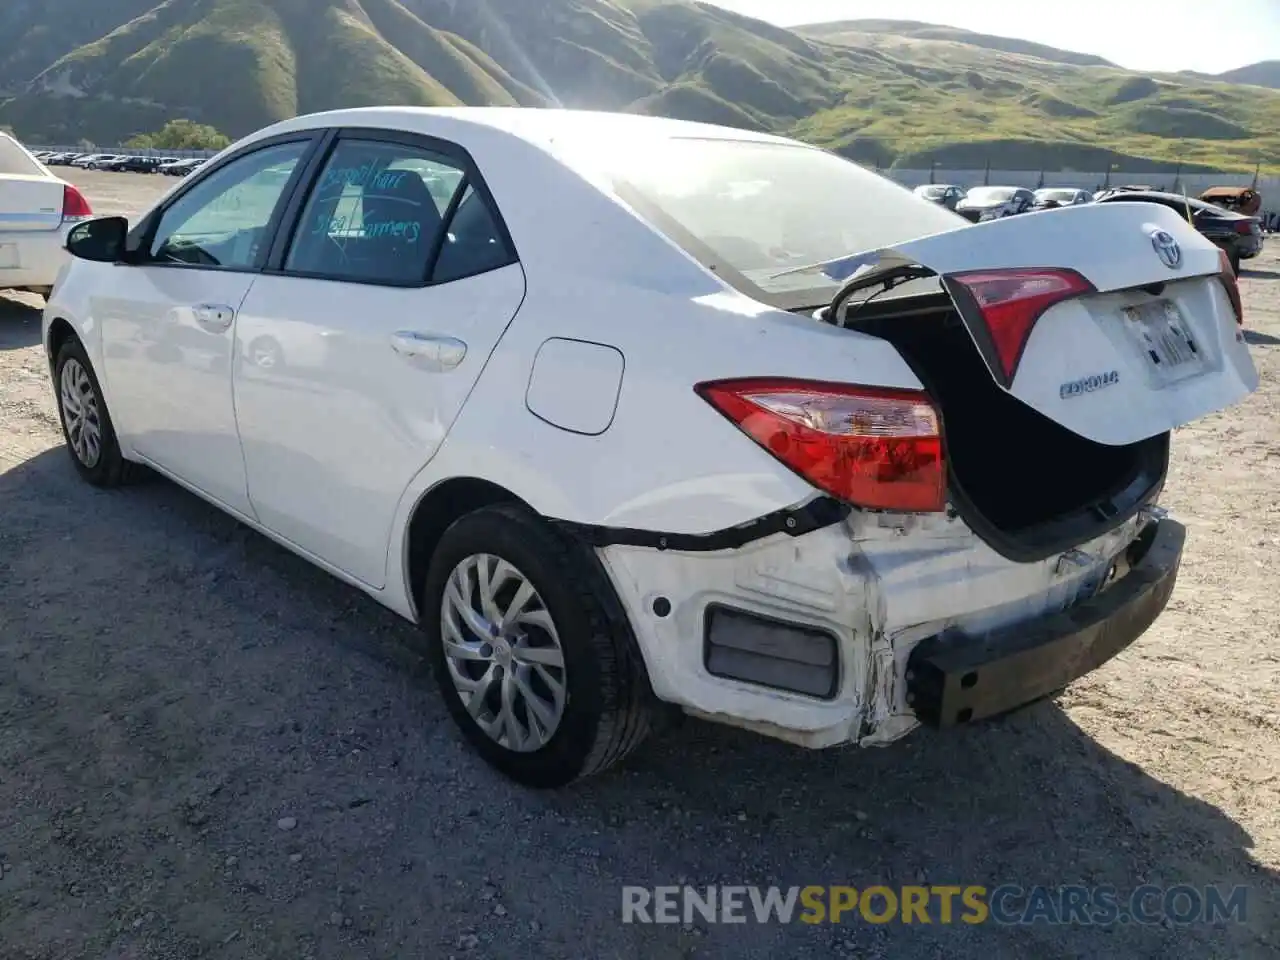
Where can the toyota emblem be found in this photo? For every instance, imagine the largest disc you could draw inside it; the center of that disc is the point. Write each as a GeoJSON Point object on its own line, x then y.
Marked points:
{"type": "Point", "coordinates": [1167, 248]}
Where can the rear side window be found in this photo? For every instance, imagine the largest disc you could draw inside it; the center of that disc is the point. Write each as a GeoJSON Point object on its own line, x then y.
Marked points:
{"type": "Point", "coordinates": [14, 159]}
{"type": "Point", "coordinates": [764, 210]}
{"type": "Point", "coordinates": [377, 214]}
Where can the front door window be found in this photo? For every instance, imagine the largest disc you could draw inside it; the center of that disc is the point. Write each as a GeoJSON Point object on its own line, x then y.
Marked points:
{"type": "Point", "coordinates": [222, 221]}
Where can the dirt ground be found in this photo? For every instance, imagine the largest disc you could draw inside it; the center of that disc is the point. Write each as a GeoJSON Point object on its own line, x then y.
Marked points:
{"type": "Point", "coordinates": [210, 749]}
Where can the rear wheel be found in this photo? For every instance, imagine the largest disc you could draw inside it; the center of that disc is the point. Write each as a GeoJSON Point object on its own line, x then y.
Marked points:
{"type": "Point", "coordinates": [530, 649]}
{"type": "Point", "coordinates": [1234, 257]}
{"type": "Point", "coordinates": [86, 423]}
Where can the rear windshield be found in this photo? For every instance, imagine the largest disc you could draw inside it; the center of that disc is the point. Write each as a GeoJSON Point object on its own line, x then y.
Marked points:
{"type": "Point", "coordinates": [754, 210]}
{"type": "Point", "coordinates": [15, 160]}
{"type": "Point", "coordinates": [933, 191]}
{"type": "Point", "coordinates": [990, 195]}
{"type": "Point", "coordinates": [1058, 195]}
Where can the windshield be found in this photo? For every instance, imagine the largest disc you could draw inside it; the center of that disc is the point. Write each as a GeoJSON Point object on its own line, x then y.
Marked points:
{"type": "Point", "coordinates": [754, 210]}
{"type": "Point", "coordinates": [990, 195]}
{"type": "Point", "coordinates": [932, 191]}
{"type": "Point", "coordinates": [1062, 196]}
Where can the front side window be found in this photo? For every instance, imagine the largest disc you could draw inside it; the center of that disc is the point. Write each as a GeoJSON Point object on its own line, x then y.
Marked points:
{"type": "Point", "coordinates": [375, 214]}
{"type": "Point", "coordinates": [222, 221]}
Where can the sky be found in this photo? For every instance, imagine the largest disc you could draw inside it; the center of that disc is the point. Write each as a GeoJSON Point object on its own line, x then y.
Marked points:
{"type": "Point", "coordinates": [1157, 35]}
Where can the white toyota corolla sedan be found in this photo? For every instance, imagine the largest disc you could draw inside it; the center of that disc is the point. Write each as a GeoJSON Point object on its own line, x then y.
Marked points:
{"type": "Point", "coordinates": [636, 416]}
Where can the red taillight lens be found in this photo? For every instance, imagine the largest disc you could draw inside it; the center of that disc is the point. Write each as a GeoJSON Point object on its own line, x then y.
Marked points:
{"type": "Point", "coordinates": [1244, 227]}
{"type": "Point", "coordinates": [872, 447]}
{"type": "Point", "coordinates": [74, 205]}
{"type": "Point", "coordinates": [1228, 278]}
{"type": "Point", "coordinates": [1011, 301]}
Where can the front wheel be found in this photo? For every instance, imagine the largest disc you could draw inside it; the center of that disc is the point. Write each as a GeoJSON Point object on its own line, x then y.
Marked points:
{"type": "Point", "coordinates": [86, 423]}
{"type": "Point", "coordinates": [530, 649]}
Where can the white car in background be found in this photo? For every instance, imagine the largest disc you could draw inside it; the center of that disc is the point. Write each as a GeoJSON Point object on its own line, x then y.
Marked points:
{"type": "Point", "coordinates": [1050, 197]}
{"type": "Point", "coordinates": [641, 414]}
{"type": "Point", "coordinates": [37, 210]}
{"type": "Point", "coordinates": [994, 203]}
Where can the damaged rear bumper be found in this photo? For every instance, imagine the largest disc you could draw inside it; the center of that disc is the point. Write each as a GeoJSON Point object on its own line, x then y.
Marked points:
{"type": "Point", "coordinates": [953, 680]}
{"type": "Point", "coordinates": [810, 638]}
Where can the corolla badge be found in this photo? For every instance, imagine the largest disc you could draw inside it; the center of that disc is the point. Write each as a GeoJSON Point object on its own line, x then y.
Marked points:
{"type": "Point", "coordinates": [1167, 248]}
{"type": "Point", "coordinates": [1076, 388]}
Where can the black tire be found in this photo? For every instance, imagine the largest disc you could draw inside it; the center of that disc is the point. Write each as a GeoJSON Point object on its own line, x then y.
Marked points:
{"type": "Point", "coordinates": [1233, 256]}
{"type": "Point", "coordinates": [110, 469]}
{"type": "Point", "coordinates": [609, 706]}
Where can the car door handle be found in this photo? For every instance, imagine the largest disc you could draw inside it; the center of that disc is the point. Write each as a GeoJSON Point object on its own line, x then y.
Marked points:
{"type": "Point", "coordinates": [440, 351]}
{"type": "Point", "coordinates": [214, 317]}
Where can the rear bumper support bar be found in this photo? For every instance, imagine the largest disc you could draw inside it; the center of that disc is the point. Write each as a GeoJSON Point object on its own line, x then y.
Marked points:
{"type": "Point", "coordinates": [953, 679]}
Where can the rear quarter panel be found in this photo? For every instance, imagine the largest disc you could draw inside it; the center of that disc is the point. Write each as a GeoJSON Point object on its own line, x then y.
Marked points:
{"type": "Point", "coordinates": [668, 462]}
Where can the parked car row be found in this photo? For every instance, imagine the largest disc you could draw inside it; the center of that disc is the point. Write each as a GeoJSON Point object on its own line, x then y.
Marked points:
{"type": "Point", "coordinates": [120, 163]}
{"type": "Point", "coordinates": [991, 203]}
{"type": "Point", "coordinates": [1225, 215]}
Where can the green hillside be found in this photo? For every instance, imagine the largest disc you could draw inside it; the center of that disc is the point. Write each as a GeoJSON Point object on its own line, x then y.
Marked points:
{"type": "Point", "coordinates": [838, 30]}
{"type": "Point", "coordinates": [1264, 74]}
{"type": "Point", "coordinates": [882, 92]}
{"type": "Point", "coordinates": [1027, 112]}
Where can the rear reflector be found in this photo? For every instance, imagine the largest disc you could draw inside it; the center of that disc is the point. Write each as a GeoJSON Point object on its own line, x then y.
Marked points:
{"type": "Point", "coordinates": [1232, 284]}
{"type": "Point", "coordinates": [771, 653]}
{"type": "Point", "coordinates": [869, 446]}
{"type": "Point", "coordinates": [74, 205]}
{"type": "Point", "coordinates": [1011, 301]}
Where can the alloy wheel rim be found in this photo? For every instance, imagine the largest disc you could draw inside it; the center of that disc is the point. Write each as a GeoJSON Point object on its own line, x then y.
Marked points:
{"type": "Point", "coordinates": [80, 413]}
{"type": "Point", "coordinates": [503, 653]}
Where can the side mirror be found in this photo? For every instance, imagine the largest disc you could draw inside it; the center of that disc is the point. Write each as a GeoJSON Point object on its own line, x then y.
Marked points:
{"type": "Point", "coordinates": [100, 240]}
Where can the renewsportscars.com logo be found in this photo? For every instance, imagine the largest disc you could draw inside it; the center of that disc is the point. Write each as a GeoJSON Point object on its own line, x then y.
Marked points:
{"type": "Point", "coordinates": [1008, 904]}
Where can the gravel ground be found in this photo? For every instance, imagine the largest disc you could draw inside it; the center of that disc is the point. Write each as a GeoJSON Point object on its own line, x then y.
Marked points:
{"type": "Point", "coordinates": [211, 749]}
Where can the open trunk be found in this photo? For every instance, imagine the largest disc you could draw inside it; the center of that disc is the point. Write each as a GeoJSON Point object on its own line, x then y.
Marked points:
{"type": "Point", "coordinates": [1023, 482]}
{"type": "Point", "coordinates": [1060, 350]}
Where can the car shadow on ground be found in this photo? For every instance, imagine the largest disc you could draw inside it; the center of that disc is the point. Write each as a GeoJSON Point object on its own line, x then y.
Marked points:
{"type": "Point", "coordinates": [1255, 273]}
{"type": "Point", "coordinates": [185, 681]}
{"type": "Point", "coordinates": [1259, 339]}
{"type": "Point", "coordinates": [19, 323]}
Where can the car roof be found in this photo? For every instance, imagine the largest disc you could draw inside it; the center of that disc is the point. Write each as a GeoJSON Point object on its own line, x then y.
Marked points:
{"type": "Point", "coordinates": [1193, 202]}
{"type": "Point", "coordinates": [536, 125]}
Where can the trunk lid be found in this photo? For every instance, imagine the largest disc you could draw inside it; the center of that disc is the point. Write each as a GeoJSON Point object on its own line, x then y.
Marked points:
{"type": "Point", "coordinates": [30, 203]}
{"type": "Point", "coordinates": [1147, 341]}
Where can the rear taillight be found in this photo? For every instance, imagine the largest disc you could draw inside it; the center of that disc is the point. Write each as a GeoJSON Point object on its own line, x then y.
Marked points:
{"type": "Point", "coordinates": [1228, 277]}
{"type": "Point", "coordinates": [1245, 227]}
{"type": "Point", "coordinates": [1010, 302]}
{"type": "Point", "coordinates": [74, 205]}
{"type": "Point", "coordinates": [876, 448]}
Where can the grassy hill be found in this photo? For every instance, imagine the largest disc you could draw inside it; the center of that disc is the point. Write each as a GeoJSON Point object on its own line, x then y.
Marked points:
{"type": "Point", "coordinates": [842, 30]}
{"type": "Point", "coordinates": [880, 91]}
{"type": "Point", "coordinates": [1264, 74]}
{"type": "Point", "coordinates": [1026, 110]}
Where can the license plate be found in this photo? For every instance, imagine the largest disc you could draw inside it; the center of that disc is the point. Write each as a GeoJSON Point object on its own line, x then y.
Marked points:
{"type": "Point", "coordinates": [9, 256]}
{"type": "Point", "coordinates": [1164, 336]}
